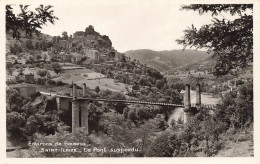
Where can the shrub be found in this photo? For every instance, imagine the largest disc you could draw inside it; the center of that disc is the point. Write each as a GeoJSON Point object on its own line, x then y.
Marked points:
{"type": "Point", "coordinates": [15, 121]}
{"type": "Point", "coordinates": [59, 83]}
{"type": "Point", "coordinates": [165, 145]}
{"type": "Point", "coordinates": [42, 73]}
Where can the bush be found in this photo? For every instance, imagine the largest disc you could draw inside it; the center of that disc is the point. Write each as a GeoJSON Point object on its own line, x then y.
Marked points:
{"type": "Point", "coordinates": [15, 121]}
{"type": "Point", "coordinates": [42, 73]}
{"type": "Point", "coordinates": [59, 83]}
{"type": "Point", "coordinates": [56, 67]}
{"type": "Point", "coordinates": [164, 145]}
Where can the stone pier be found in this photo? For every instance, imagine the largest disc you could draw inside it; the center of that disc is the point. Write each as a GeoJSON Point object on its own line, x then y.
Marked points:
{"type": "Point", "coordinates": [75, 115]}
{"type": "Point", "coordinates": [84, 111]}
{"type": "Point", "coordinates": [76, 104]}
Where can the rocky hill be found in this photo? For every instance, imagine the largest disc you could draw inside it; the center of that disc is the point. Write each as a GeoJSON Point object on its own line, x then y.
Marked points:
{"type": "Point", "coordinates": [92, 39]}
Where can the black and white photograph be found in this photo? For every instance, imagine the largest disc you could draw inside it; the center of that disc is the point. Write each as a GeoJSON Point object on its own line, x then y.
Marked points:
{"type": "Point", "coordinates": [129, 79]}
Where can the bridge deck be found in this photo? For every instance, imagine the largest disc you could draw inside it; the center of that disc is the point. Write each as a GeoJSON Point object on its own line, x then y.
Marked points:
{"type": "Point", "coordinates": [127, 101]}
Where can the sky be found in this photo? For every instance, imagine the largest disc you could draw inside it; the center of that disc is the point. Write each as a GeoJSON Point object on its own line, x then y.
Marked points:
{"type": "Point", "coordinates": [130, 25]}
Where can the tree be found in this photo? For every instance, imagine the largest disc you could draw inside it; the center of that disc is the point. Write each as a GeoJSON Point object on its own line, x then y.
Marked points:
{"type": "Point", "coordinates": [38, 57]}
{"type": "Point", "coordinates": [28, 21]}
{"type": "Point", "coordinates": [15, 123]}
{"type": "Point", "coordinates": [28, 44]}
{"type": "Point", "coordinates": [236, 108]}
{"type": "Point", "coordinates": [161, 147]}
{"type": "Point", "coordinates": [56, 67]}
{"type": "Point", "coordinates": [65, 35]}
{"type": "Point", "coordinates": [118, 106]}
{"type": "Point", "coordinates": [15, 48]}
{"type": "Point", "coordinates": [13, 97]}
{"type": "Point", "coordinates": [230, 41]}
{"type": "Point", "coordinates": [54, 39]}
{"type": "Point", "coordinates": [97, 89]}
{"type": "Point", "coordinates": [42, 73]}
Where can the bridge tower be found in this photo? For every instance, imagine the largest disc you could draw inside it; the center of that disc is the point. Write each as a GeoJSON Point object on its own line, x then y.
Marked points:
{"type": "Point", "coordinates": [187, 104]}
{"type": "Point", "coordinates": [84, 111]}
{"type": "Point", "coordinates": [79, 110]}
{"type": "Point", "coordinates": [198, 95]}
{"type": "Point", "coordinates": [75, 109]}
{"type": "Point", "coordinates": [189, 111]}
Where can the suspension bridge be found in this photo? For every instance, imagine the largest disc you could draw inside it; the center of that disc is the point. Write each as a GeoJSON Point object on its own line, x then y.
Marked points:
{"type": "Point", "coordinates": [80, 111]}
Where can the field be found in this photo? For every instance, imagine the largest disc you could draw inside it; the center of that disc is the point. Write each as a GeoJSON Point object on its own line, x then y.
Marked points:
{"type": "Point", "coordinates": [75, 76]}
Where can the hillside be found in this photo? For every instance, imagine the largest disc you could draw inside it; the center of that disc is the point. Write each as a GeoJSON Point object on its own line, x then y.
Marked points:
{"type": "Point", "coordinates": [167, 60]}
{"type": "Point", "coordinates": [10, 40]}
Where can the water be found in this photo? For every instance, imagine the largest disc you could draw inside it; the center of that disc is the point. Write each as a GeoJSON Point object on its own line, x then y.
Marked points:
{"type": "Point", "coordinates": [205, 99]}
{"type": "Point", "coordinates": [176, 114]}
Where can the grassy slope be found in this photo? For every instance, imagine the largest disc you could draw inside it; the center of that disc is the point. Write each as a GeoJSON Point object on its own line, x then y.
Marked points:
{"type": "Point", "coordinates": [166, 60]}
{"type": "Point", "coordinates": [240, 144]}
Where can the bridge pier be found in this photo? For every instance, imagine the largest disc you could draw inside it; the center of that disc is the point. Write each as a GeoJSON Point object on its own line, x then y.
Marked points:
{"type": "Point", "coordinates": [75, 110]}
{"type": "Point", "coordinates": [84, 111]}
{"type": "Point", "coordinates": [75, 115]}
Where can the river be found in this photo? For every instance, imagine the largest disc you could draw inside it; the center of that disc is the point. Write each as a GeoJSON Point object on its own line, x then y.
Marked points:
{"type": "Point", "coordinates": [205, 99]}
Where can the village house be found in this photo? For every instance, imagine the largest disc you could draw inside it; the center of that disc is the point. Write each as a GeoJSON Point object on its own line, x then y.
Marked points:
{"type": "Point", "coordinates": [78, 34]}
{"type": "Point", "coordinates": [92, 54]}
{"type": "Point", "coordinates": [76, 57]}
{"type": "Point", "coordinates": [25, 90]}
{"type": "Point", "coordinates": [66, 57]}
{"type": "Point", "coordinates": [119, 57]}
{"type": "Point", "coordinates": [45, 55]}
{"type": "Point", "coordinates": [110, 63]}
{"type": "Point", "coordinates": [60, 56]}
{"type": "Point", "coordinates": [65, 43]}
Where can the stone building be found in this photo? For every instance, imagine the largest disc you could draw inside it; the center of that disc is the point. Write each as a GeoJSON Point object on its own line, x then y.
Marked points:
{"type": "Point", "coordinates": [78, 34]}
{"type": "Point", "coordinates": [92, 54]}
{"type": "Point", "coordinates": [76, 57]}
{"type": "Point", "coordinates": [27, 91]}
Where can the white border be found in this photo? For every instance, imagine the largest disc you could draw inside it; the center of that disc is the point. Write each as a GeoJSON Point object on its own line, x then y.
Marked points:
{"type": "Point", "coordinates": [237, 160]}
